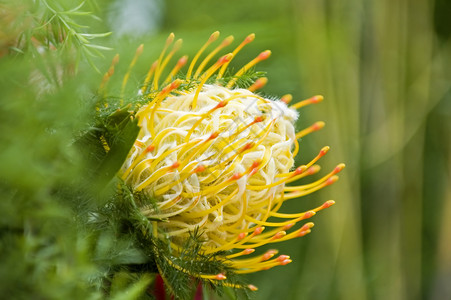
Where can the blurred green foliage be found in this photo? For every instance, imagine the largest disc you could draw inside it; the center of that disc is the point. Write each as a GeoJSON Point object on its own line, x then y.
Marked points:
{"type": "Point", "coordinates": [384, 69]}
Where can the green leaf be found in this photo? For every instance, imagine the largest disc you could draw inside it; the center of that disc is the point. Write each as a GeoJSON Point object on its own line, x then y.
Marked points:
{"type": "Point", "coordinates": [133, 291]}
{"type": "Point", "coordinates": [107, 144]}
{"type": "Point", "coordinates": [98, 47]}
{"type": "Point", "coordinates": [95, 35]}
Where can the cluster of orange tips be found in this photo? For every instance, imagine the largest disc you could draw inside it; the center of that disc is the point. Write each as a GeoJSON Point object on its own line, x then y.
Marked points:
{"type": "Point", "coordinates": [218, 158]}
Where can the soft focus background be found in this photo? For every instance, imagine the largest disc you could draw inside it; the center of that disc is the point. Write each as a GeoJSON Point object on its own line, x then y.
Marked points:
{"type": "Point", "coordinates": [384, 68]}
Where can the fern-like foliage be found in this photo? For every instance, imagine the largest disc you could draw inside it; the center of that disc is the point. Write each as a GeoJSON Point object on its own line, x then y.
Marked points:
{"type": "Point", "coordinates": [243, 81]}
{"type": "Point", "coordinates": [134, 253]}
{"type": "Point", "coordinates": [109, 103]}
{"type": "Point", "coordinates": [48, 26]}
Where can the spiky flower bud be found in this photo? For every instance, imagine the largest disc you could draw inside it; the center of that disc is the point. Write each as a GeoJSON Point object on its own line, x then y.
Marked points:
{"type": "Point", "coordinates": [213, 165]}
{"type": "Point", "coordinates": [217, 159]}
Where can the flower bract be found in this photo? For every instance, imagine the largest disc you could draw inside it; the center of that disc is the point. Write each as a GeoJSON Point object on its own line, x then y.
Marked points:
{"type": "Point", "coordinates": [218, 158]}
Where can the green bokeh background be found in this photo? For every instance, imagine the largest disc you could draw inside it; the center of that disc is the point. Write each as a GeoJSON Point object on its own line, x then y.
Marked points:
{"type": "Point", "coordinates": [384, 68]}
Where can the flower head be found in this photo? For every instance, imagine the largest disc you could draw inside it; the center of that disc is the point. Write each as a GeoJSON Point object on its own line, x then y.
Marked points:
{"type": "Point", "coordinates": [217, 159]}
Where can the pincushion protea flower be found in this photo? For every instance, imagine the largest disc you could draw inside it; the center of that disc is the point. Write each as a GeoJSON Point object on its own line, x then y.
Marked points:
{"type": "Point", "coordinates": [217, 159]}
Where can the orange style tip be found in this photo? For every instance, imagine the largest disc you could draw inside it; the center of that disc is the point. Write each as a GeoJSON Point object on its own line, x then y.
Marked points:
{"type": "Point", "coordinates": [283, 257]}
{"type": "Point", "coordinates": [242, 235]}
{"type": "Point", "coordinates": [262, 80]}
{"type": "Point", "coordinates": [115, 59]}
{"type": "Point", "coordinates": [252, 287]}
{"type": "Point", "coordinates": [175, 84]}
{"type": "Point", "coordinates": [286, 98]}
{"type": "Point", "coordinates": [150, 148]}
{"type": "Point", "coordinates": [299, 170]}
{"type": "Point", "coordinates": [259, 119]}
{"type": "Point", "coordinates": [182, 61]}
{"type": "Point", "coordinates": [318, 125]}
{"type": "Point", "coordinates": [155, 64]}
{"type": "Point", "coordinates": [324, 150]}
{"type": "Point", "coordinates": [140, 49]}
{"type": "Point", "coordinates": [314, 169]}
{"type": "Point", "coordinates": [288, 226]}
{"type": "Point", "coordinates": [308, 225]}
{"type": "Point", "coordinates": [255, 164]}
{"type": "Point", "coordinates": [199, 169]}
{"type": "Point", "coordinates": [258, 230]}
{"type": "Point", "coordinates": [279, 235]}
{"type": "Point", "coordinates": [178, 44]}
{"type": "Point", "coordinates": [175, 165]}
{"type": "Point", "coordinates": [264, 55]}
{"type": "Point", "coordinates": [331, 180]}
{"type": "Point", "coordinates": [285, 262]}
{"type": "Point", "coordinates": [328, 204]}
{"type": "Point", "coordinates": [224, 59]}
{"type": "Point", "coordinates": [339, 168]}
{"type": "Point", "coordinates": [303, 233]}
{"type": "Point", "coordinates": [317, 98]}
{"type": "Point", "coordinates": [267, 256]}
{"type": "Point", "coordinates": [309, 214]}
{"type": "Point", "coordinates": [221, 104]}
{"type": "Point", "coordinates": [247, 146]}
{"type": "Point", "coordinates": [213, 135]}
{"type": "Point", "coordinates": [236, 176]}
{"type": "Point", "coordinates": [272, 252]}
{"type": "Point", "coordinates": [259, 83]}
{"type": "Point", "coordinates": [170, 38]}
{"type": "Point", "coordinates": [220, 276]}
{"type": "Point", "coordinates": [227, 41]}
{"type": "Point", "coordinates": [214, 36]}
{"type": "Point", "coordinates": [249, 38]}
{"type": "Point", "coordinates": [248, 251]}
